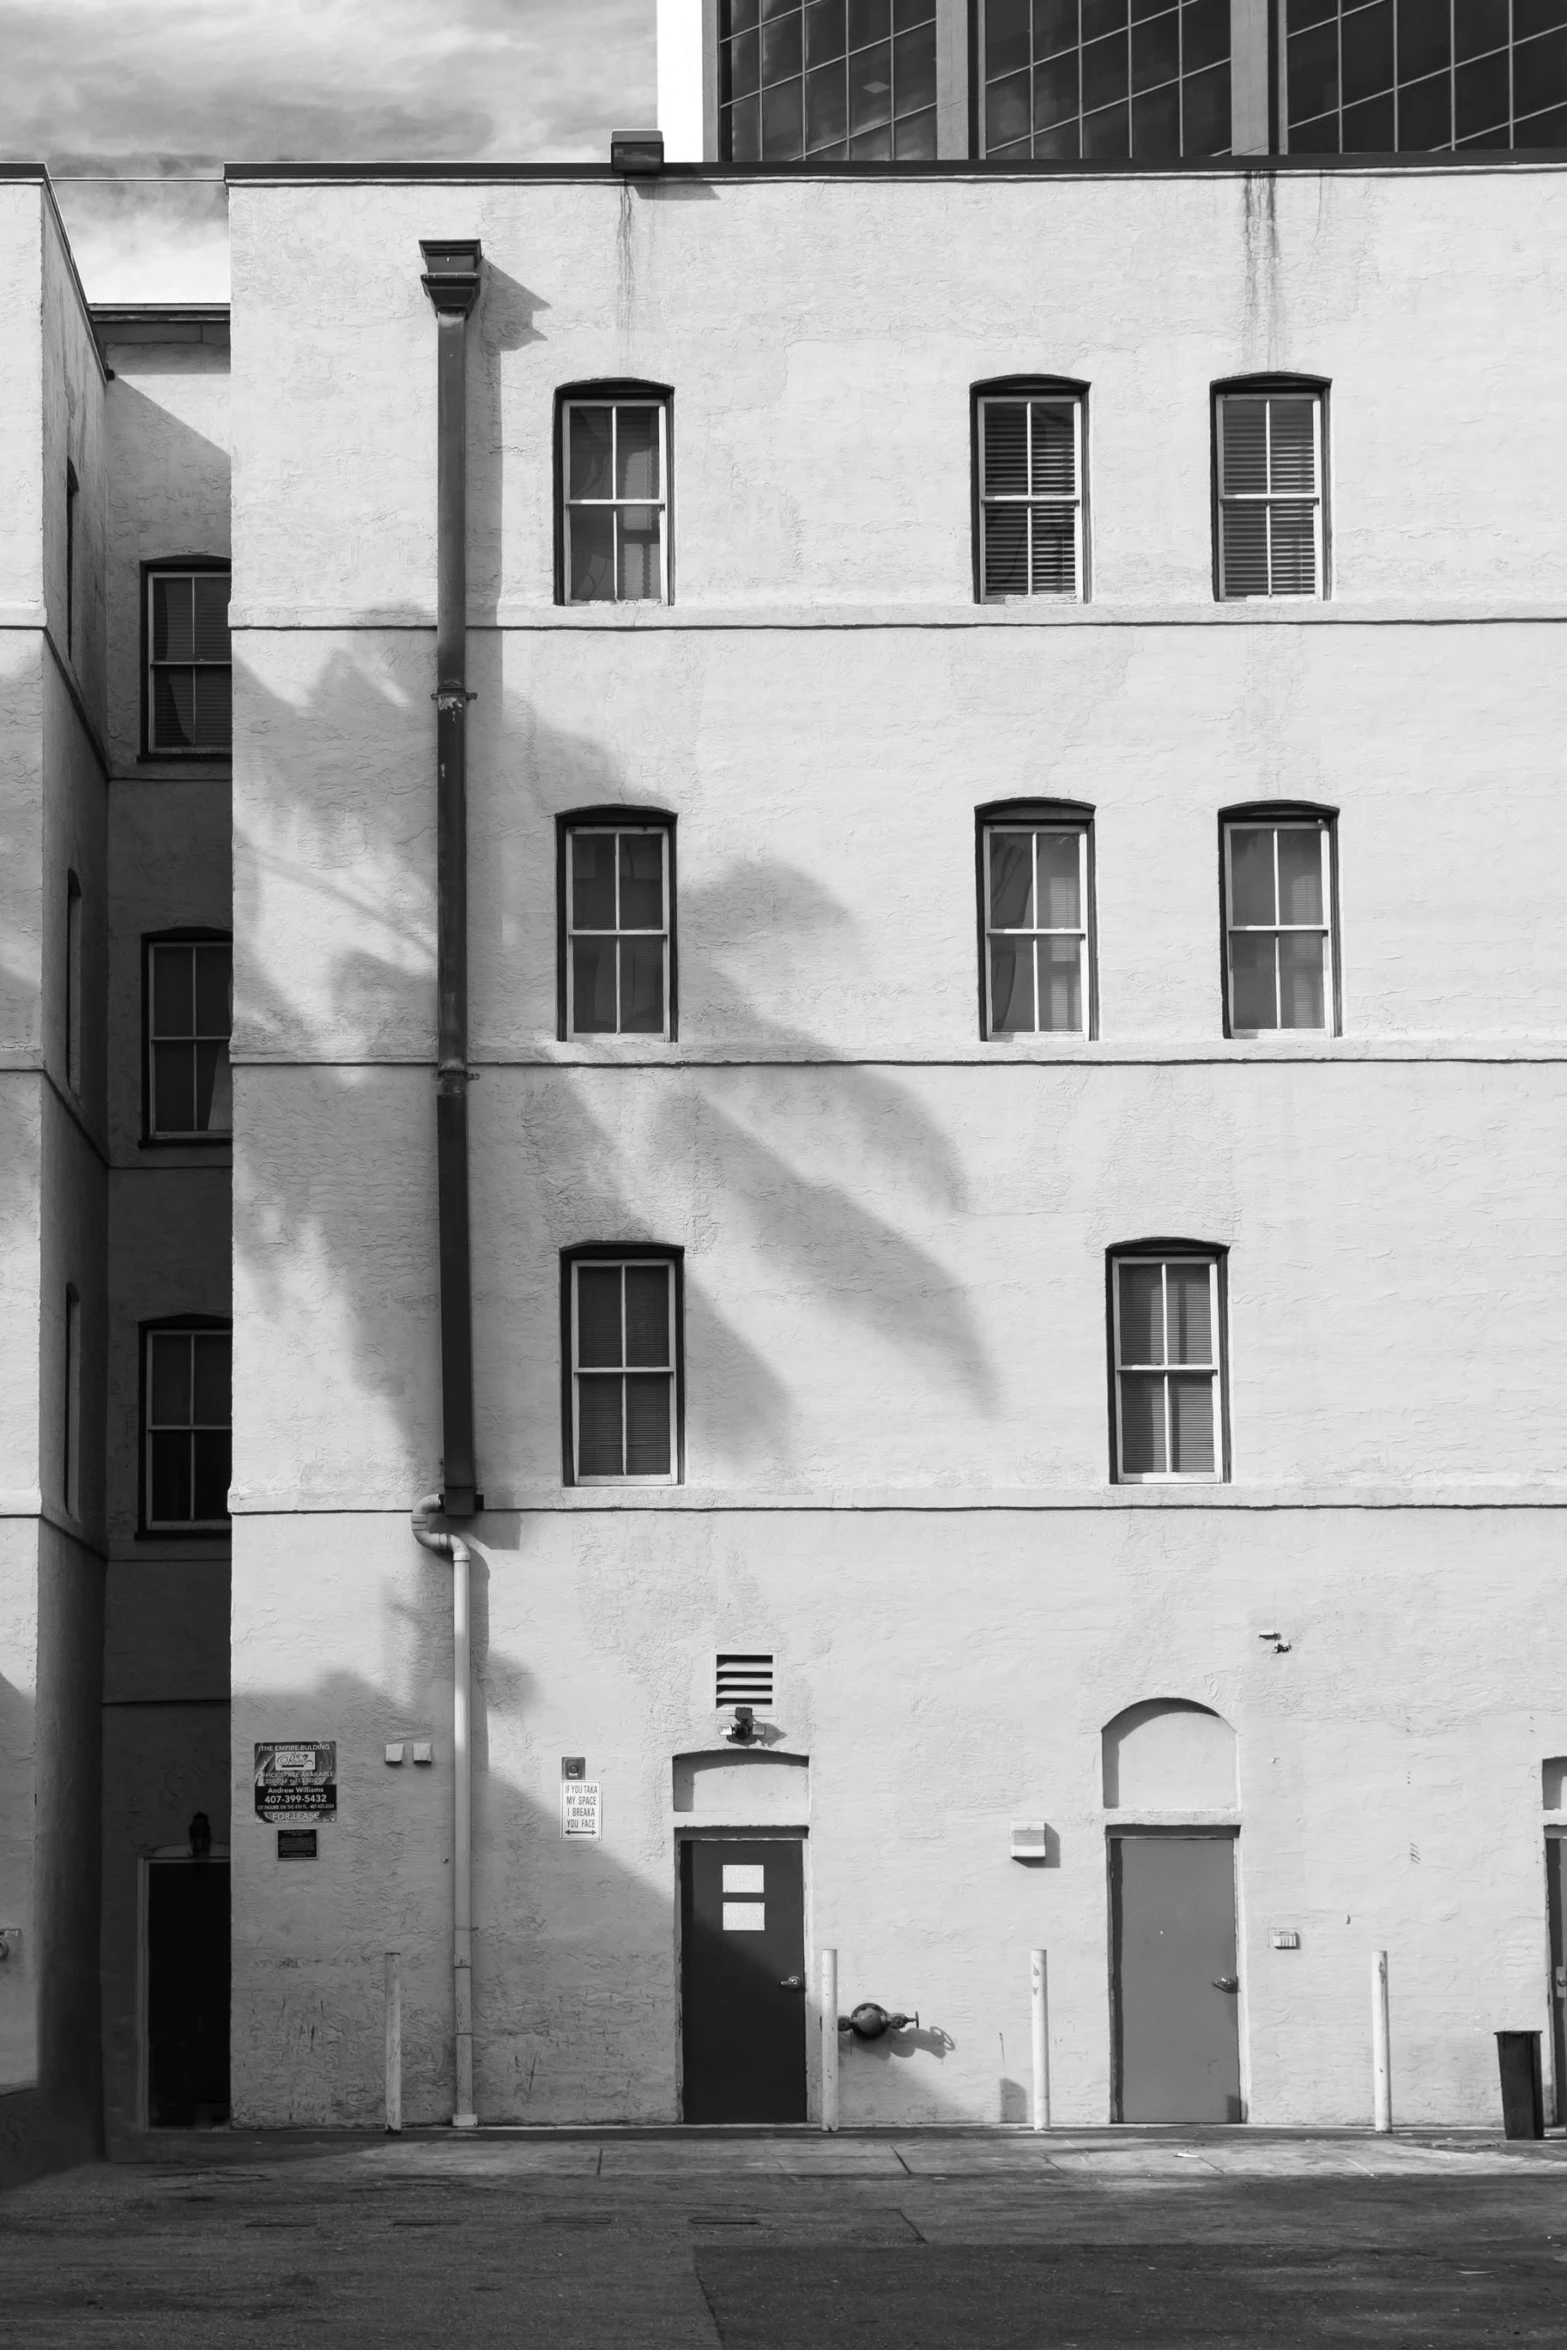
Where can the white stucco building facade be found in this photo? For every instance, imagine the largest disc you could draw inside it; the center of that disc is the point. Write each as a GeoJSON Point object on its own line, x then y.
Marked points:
{"type": "Point", "coordinates": [898, 1476]}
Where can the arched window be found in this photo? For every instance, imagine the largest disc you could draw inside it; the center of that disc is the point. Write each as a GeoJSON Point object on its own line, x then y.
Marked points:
{"type": "Point", "coordinates": [1030, 518]}
{"type": "Point", "coordinates": [621, 1344]}
{"type": "Point", "coordinates": [1269, 471]}
{"type": "Point", "coordinates": [1278, 865]}
{"type": "Point", "coordinates": [1035, 869]}
{"type": "Point", "coordinates": [612, 502]}
{"type": "Point", "coordinates": [1168, 1406]}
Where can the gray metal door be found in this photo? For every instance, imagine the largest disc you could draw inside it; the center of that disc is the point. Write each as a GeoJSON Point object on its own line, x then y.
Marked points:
{"type": "Point", "coordinates": [1556, 1918]}
{"type": "Point", "coordinates": [1174, 1987]}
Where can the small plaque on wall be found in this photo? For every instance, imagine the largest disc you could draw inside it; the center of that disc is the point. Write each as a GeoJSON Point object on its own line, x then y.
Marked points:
{"type": "Point", "coordinates": [296, 1844]}
{"type": "Point", "coordinates": [581, 1811]}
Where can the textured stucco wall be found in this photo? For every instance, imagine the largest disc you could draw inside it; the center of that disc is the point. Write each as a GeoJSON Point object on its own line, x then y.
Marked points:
{"type": "Point", "coordinates": [73, 433]}
{"type": "Point", "coordinates": [895, 1234]}
{"type": "Point", "coordinates": [21, 416]}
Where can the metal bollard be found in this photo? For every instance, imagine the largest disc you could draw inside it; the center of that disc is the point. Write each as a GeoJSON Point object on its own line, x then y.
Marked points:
{"type": "Point", "coordinates": [394, 2042]}
{"type": "Point", "coordinates": [1040, 2018]}
{"type": "Point", "coordinates": [829, 2039]}
{"type": "Point", "coordinates": [1381, 2058]}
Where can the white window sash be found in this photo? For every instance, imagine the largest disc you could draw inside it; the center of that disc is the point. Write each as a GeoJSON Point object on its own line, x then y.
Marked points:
{"type": "Point", "coordinates": [1237, 500]}
{"type": "Point", "coordinates": [658, 505]}
{"type": "Point", "coordinates": [1038, 930]}
{"type": "Point", "coordinates": [615, 832]}
{"type": "Point", "coordinates": [197, 1036]}
{"type": "Point", "coordinates": [1056, 503]}
{"type": "Point", "coordinates": [1280, 929]}
{"type": "Point", "coordinates": [668, 1369]}
{"type": "Point", "coordinates": [1210, 1370]}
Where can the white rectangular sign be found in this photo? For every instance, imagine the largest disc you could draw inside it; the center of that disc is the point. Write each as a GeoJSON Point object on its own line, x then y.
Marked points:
{"type": "Point", "coordinates": [742, 1878]}
{"type": "Point", "coordinates": [745, 1917]}
{"type": "Point", "coordinates": [581, 1811]}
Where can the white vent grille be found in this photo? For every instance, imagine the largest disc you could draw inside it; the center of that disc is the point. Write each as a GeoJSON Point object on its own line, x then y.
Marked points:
{"type": "Point", "coordinates": [745, 1680]}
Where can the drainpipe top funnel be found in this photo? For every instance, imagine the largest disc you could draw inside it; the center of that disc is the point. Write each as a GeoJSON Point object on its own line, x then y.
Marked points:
{"type": "Point", "coordinates": [451, 272]}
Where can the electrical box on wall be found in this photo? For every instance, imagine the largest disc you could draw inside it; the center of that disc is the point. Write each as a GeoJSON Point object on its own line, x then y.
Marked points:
{"type": "Point", "coordinates": [1030, 1840]}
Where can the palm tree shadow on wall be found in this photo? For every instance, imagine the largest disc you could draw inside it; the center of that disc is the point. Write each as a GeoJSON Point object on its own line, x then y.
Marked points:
{"type": "Point", "coordinates": [335, 1231]}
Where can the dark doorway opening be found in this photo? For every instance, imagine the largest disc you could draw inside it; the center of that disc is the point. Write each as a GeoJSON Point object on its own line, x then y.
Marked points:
{"type": "Point", "coordinates": [742, 1979]}
{"type": "Point", "coordinates": [1555, 1895]}
{"type": "Point", "coordinates": [1174, 1990]}
{"type": "Point", "coordinates": [187, 1994]}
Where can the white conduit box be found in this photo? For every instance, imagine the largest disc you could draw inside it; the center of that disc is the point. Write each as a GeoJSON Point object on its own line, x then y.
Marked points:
{"type": "Point", "coordinates": [1029, 1840]}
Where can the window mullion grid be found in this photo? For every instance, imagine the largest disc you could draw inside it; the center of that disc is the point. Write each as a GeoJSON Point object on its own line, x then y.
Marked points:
{"type": "Point", "coordinates": [1169, 1433]}
{"type": "Point", "coordinates": [624, 1382]}
{"type": "Point", "coordinates": [614, 852]}
{"type": "Point", "coordinates": [1278, 943]}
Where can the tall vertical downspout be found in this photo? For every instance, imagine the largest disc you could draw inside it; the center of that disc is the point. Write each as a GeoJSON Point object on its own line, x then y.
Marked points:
{"type": "Point", "coordinates": [451, 280]}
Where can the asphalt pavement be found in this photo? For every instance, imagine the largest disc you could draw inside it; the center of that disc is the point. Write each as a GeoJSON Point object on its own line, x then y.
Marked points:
{"type": "Point", "coordinates": [971, 2240]}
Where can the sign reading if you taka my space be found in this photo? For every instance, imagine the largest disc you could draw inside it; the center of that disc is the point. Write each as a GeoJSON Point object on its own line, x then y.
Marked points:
{"type": "Point", "coordinates": [296, 1783]}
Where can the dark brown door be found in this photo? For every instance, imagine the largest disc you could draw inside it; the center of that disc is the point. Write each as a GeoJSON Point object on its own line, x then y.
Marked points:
{"type": "Point", "coordinates": [187, 1994]}
{"type": "Point", "coordinates": [1175, 1992]}
{"type": "Point", "coordinates": [1555, 1893]}
{"type": "Point", "coordinates": [742, 1979]}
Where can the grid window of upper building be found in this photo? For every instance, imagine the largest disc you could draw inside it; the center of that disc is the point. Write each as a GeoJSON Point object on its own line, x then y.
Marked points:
{"type": "Point", "coordinates": [1065, 79]}
{"type": "Point", "coordinates": [1411, 76]}
{"type": "Point", "coordinates": [836, 80]}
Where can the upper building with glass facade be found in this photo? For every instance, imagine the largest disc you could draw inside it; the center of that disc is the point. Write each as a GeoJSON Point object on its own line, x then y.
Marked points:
{"type": "Point", "coordinates": [1063, 81]}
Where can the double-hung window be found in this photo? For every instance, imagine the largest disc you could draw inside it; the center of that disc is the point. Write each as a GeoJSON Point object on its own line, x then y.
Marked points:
{"type": "Point", "coordinates": [1035, 894]}
{"type": "Point", "coordinates": [623, 1350]}
{"type": "Point", "coordinates": [1278, 921]}
{"type": "Point", "coordinates": [1269, 470]}
{"type": "Point", "coordinates": [1029, 464]}
{"type": "Point", "coordinates": [188, 699]}
{"type": "Point", "coordinates": [614, 528]}
{"type": "Point", "coordinates": [617, 894]}
{"type": "Point", "coordinates": [189, 1000]}
{"type": "Point", "coordinates": [187, 1424]}
{"type": "Point", "coordinates": [1166, 1310]}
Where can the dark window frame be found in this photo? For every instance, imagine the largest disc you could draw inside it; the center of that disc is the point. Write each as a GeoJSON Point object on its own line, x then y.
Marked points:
{"type": "Point", "coordinates": [1031, 387]}
{"type": "Point", "coordinates": [1060, 815]}
{"type": "Point", "coordinates": [608, 389]}
{"type": "Point", "coordinates": [189, 935]}
{"type": "Point", "coordinates": [72, 493]}
{"type": "Point", "coordinates": [74, 952]}
{"type": "Point", "coordinates": [1160, 1248]}
{"type": "Point", "coordinates": [1319, 387]}
{"type": "Point", "coordinates": [629, 819]}
{"type": "Point", "coordinates": [174, 566]}
{"type": "Point", "coordinates": [208, 1529]}
{"type": "Point", "coordinates": [1283, 812]}
{"type": "Point", "coordinates": [621, 1252]}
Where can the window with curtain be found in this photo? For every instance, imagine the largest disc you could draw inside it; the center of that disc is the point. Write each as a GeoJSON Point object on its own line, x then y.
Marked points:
{"type": "Point", "coordinates": [1034, 880]}
{"type": "Point", "coordinates": [189, 693]}
{"type": "Point", "coordinates": [1167, 1366]}
{"type": "Point", "coordinates": [187, 1432]}
{"type": "Point", "coordinates": [834, 80]}
{"type": "Point", "coordinates": [1029, 458]}
{"type": "Point", "coordinates": [189, 1007]}
{"type": "Point", "coordinates": [1278, 923]}
{"type": "Point", "coordinates": [615, 483]}
{"type": "Point", "coordinates": [617, 893]}
{"type": "Point", "coordinates": [1379, 77]}
{"type": "Point", "coordinates": [1269, 471]}
{"type": "Point", "coordinates": [1064, 79]}
{"type": "Point", "coordinates": [623, 1323]}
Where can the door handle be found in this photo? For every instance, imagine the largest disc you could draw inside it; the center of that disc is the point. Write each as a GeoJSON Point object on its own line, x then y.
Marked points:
{"type": "Point", "coordinates": [791, 1982]}
{"type": "Point", "coordinates": [1225, 1983]}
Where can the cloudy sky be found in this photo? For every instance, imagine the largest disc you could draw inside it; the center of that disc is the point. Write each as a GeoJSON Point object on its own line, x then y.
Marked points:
{"type": "Point", "coordinates": [155, 95]}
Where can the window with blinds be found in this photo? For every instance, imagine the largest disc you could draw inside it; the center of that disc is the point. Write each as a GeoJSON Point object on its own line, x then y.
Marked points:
{"type": "Point", "coordinates": [615, 499]}
{"type": "Point", "coordinates": [1268, 465]}
{"type": "Point", "coordinates": [617, 893]}
{"type": "Point", "coordinates": [189, 670]}
{"type": "Point", "coordinates": [623, 1339]}
{"type": "Point", "coordinates": [1166, 1346]}
{"type": "Point", "coordinates": [1034, 878]}
{"type": "Point", "coordinates": [1029, 461]}
{"type": "Point", "coordinates": [187, 1424]}
{"type": "Point", "coordinates": [1366, 77]}
{"type": "Point", "coordinates": [1278, 923]}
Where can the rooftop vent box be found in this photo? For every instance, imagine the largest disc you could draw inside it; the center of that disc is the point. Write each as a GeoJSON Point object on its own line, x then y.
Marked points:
{"type": "Point", "coordinates": [636, 152]}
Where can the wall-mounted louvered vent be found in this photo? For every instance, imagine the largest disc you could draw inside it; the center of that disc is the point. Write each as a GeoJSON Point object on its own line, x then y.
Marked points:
{"type": "Point", "coordinates": [745, 1680]}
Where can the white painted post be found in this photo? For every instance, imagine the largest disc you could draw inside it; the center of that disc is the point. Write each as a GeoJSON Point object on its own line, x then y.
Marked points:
{"type": "Point", "coordinates": [1381, 2063]}
{"type": "Point", "coordinates": [829, 2039]}
{"type": "Point", "coordinates": [394, 2041]}
{"type": "Point", "coordinates": [1039, 2000]}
